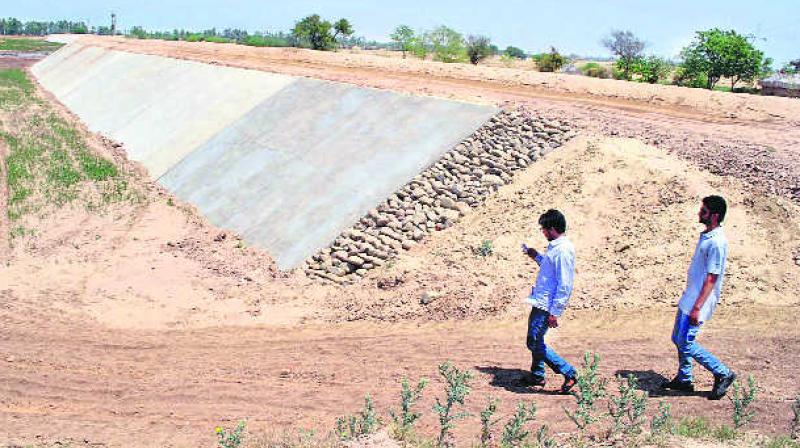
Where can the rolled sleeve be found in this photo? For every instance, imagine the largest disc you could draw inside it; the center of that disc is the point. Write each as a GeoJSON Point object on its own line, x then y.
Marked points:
{"type": "Point", "coordinates": [715, 259]}
{"type": "Point", "coordinates": [564, 276]}
{"type": "Point", "coordinates": [538, 258]}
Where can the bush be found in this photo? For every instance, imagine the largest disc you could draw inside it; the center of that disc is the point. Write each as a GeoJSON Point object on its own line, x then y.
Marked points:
{"type": "Point", "coordinates": [551, 62]}
{"type": "Point", "coordinates": [404, 421]}
{"type": "Point", "coordinates": [514, 52]}
{"type": "Point", "coordinates": [627, 409]}
{"type": "Point", "coordinates": [478, 48]}
{"type": "Point", "coordinates": [595, 70]}
{"type": "Point", "coordinates": [684, 78]}
{"type": "Point", "coordinates": [651, 69]}
{"type": "Point", "coordinates": [353, 426]}
{"type": "Point", "coordinates": [456, 390]}
{"type": "Point", "coordinates": [591, 388]}
{"type": "Point", "coordinates": [230, 438]}
{"type": "Point", "coordinates": [741, 400]}
{"type": "Point", "coordinates": [265, 41]}
{"type": "Point", "coordinates": [447, 45]}
{"type": "Point", "coordinates": [514, 433]}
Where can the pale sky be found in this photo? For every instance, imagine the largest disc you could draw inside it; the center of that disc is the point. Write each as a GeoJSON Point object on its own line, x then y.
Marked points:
{"type": "Point", "coordinates": [572, 26]}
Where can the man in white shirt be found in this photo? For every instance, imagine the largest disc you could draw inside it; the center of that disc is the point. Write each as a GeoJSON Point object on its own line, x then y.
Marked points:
{"type": "Point", "coordinates": [549, 298]}
{"type": "Point", "coordinates": [704, 283]}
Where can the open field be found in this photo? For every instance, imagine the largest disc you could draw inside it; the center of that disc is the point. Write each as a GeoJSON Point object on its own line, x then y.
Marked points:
{"type": "Point", "coordinates": [129, 320]}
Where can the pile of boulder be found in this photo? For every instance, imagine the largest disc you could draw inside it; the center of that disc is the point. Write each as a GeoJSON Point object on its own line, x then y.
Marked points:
{"type": "Point", "coordinates": [439, 196]}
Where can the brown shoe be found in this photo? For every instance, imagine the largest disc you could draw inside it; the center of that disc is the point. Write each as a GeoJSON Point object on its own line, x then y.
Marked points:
{"type": "Point", "coordinates": [569, 383]}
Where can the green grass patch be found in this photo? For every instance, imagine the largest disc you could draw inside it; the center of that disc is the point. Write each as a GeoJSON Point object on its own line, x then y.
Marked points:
{"type": "Point", "coordinates": [27, 44]}
{"type": "Point", "coordinates": [48, 162]}
{"type": "Point", "coordinates": [782, 442]}
{"type": "Point", "coordinates": [694, 428]}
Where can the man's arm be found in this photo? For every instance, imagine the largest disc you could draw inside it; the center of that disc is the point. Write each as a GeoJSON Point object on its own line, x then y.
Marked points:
{"type": "Point", "coordinates": [565, 276]}
{"type": "Point", "coordinates": [705, 291]}
{"type": "Point", "coordinates": [533, 253]}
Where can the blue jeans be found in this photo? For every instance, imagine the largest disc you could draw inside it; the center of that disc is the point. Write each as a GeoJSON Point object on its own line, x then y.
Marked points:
{"type": "Point", "coordinates": [684, 336]}
{"type": "Point", "coordinates": [541, 353]}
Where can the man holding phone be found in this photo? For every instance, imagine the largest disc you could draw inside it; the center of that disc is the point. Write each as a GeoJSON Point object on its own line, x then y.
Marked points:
{"type": "Point", "coordinates": [549, 298]}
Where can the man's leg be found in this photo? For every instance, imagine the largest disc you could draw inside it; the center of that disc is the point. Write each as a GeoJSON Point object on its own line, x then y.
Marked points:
{"type": "Point", "coordinates": [679, 336]}
{"type": "Point", "coordinates": [537, 327]}
{"type": "Point", "coordinates": [559, 364]}
{"type": "Point", "coordinates": [689, 348]}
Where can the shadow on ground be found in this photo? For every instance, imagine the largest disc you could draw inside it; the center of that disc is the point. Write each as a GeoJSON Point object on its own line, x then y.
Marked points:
{"type": "Point", "coordinates": [650, 382]}
{"type": "Point", "coordinates": [517, 381]}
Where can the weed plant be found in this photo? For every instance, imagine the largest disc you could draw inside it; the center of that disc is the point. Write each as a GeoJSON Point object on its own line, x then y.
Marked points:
{"type": "Point", "coordinates": [514, 433]}
{"type": "Point", "coordinates": [487, 423]}
{"type": "Point", "coordinates": [627, 409]}
{"type": "Point", "coordinates": [741, 399]}
{"type": "Point", "coordinates": [486, 249]}
{"type": "Point", "coordinates": [366, 422]}
{"type": "Point", "coordinates": [661, 423]}
{"type": "Point", "coordinates": [231, 438]}
{"type": "Point", "coordinates": [404, 420]}
{"type": "Point", "coordinates": [590, 388]}
{"type": "Point", "coordinates": [456, 390]}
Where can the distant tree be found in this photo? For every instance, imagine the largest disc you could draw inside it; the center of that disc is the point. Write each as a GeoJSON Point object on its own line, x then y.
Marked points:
{"type": "Point", "coordinates": [12, 26]}
{"type": "Point", "coordinates": [792, 67]}
{"type": "Point", "coordinates": [104, 30]}
{"type": "Point", "coordinates": [447, 44]}
{"type": "Point", "coordinates": [478, 48]}
{"type": "Point", "coordinates": [342, 29]}
{"type": "Point", "coordinates": [79, 28]}
{"type": "Point", "coordinates": [314, 32]}
{"type": "Point", "coordinates": [495, 50]}
{"type": "Point", "coordinates": [715, 54]}
{"type": "Point", "coordinates": [627, 47]}
{"type": "Point", "coordinates": [235, 34]}
{"type": "Point", "coordinates": [514, 52]}
{"type": "Point", "coordinates": [651, 69]}
{"type": "Point", "coordinates": [403, 37]}
{"type": "Point", "coordinates": [551, 62]}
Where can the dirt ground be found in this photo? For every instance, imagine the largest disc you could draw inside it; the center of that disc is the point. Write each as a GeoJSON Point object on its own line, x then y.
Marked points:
{"type": "Point", "coordinates": [147, 326]}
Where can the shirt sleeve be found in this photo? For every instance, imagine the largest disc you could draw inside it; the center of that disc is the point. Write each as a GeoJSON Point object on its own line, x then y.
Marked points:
{"type": "Point", "coordinates": [564, 275]}
{"type": "Point", "coordinates": [539, 257]}
{"type": "Point", "coordinates": [715, 259]}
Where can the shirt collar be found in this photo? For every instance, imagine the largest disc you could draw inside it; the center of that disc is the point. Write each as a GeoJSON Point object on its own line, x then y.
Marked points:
{"type": "Point", "coordinates": [712, 233]}
{"type": "Point", "coordinates": [557, 242]}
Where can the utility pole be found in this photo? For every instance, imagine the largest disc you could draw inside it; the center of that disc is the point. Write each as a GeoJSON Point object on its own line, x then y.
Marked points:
{"type": "Point", "coordinates": [113, 24]}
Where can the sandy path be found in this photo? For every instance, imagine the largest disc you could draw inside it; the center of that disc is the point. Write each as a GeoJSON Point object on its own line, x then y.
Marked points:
{"type": "Point", "coordinates": [171, 389]}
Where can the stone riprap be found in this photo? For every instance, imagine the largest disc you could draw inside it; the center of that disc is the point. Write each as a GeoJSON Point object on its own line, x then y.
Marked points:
{"type": "Point", "coordinates": [439, 196]}
{"type": "Point", "coordinates": [285, 162]}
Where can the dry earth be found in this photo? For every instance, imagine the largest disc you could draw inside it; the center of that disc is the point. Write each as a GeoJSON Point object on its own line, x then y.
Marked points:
{"type": "Point", "coordinates": [146, 326]}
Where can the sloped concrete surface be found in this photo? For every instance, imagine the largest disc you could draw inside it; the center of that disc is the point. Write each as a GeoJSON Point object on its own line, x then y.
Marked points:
{"type": "Point", "coordinates": [285, 162]}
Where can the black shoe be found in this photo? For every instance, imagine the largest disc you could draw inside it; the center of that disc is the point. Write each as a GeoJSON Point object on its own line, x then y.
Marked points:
{"type": "Point", "coordinates": [721, 385]}
{"type": "Point", "coordinates": [535, 381]}
{"type": "Point", "coordinates": [682, 386]}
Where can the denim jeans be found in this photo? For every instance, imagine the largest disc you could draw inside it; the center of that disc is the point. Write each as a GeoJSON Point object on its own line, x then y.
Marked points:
{"type": "Point", "coordinates": [541, 353]}
{"type": "Point", "coordinates": [684, 336]}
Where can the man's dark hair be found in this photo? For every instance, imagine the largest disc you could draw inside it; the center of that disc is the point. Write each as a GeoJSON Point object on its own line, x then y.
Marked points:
{"type": "Point", "coordinates": [716, 204]}
{"type": "Point", "coordinates": [553, 219]}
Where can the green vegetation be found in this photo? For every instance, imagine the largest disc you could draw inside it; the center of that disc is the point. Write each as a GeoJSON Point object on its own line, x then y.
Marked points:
{"type": "Point", "coordinates": [403, 38]}
{"type": "Point", "coordinates": [550, 62]}
{"type": "Point", "coordinates": [487, 422]}
{"type": "Point", "coordinates": [447, 45]}
{"type": "Point", "coordinates": [456, 390]}
{"type": "Point", "coordinates": [627, 409]}
{"type": "Point", "coordinates": [319, 34]}
{"type": "Point", "coordinates": [591, 388]}
{"type": "Point", "coordinates": [794, 425]}
{"type": "Point", "coordinates": [741, 399]}
{"type": "Point", "coordinates": [478, 48]}
{"type": "Point", "coordinates": [25, 44]}
{"type": "Point", "coordinates": [514, 52]}
{"type": "Point", "coordinates": [651, 69]}
{"type": "Point", "coordinates": [514, 433]}
{"type": "Point", "coordinates": [486, 249]}
{"type": "Point", "coordinates": [12, 26]}
{"type": "Point", "coordinates": [717, 54]}
{"type": "Point", "coordinates": [404, 420]}
{"type": "Point", "coordinates": [48, 162]}
{"type": "Point", "coordinates": [230, 438]}
{"type": "Point", "coordinates": [595, 70]}
{"type": "Point", "coordinates": [364, 423]}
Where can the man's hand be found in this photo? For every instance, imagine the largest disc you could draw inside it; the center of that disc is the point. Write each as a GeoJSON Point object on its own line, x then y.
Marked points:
{"type": "Point", "coordinates": [694, 317]}
{"type": "Point", "coordinates": [552, 321]}
{"type": "Point", "coordinates": [531, 252]}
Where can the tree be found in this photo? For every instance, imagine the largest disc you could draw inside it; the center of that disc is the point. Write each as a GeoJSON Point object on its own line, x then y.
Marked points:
{"type": "Point", "coordinates": [447, 44]}
{"type": "Point", "coordinates": [551, 62]}
{"type": "Point", "coordinates": [651, 69]}
{"type": "Point", "coordinates": [343, 29]}
{"type": "Point", "coordinates": [403, 37]}
{"type": "Point", "coordinates": [715, 54]}
{"type": "Point", "coordinates": [627, 47]}
{"type": "Point", "coordinates": [514, 52]}
{"type": "Point", "coordinates": [12, 26]}
{"type": "Point", "coordinates": [478, 48]}
{"type": "Point", "coordinates": [314, 32]}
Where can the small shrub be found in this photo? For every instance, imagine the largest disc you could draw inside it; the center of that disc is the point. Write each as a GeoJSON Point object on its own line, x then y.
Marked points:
{"type": "Point", "coordinates": [782, 442]}
{"type": "Point", "coordinates": [627, 410]}
{"type": "Point", "coordinates": [405, 420]}
{"type": "Point", "coordinates": [543, 439]}
{"type": "Point", "coordinates": [591, 388]}
{"type": "Point", "coordinates": [551, 62]}
{"type": "Point", "coordinates": [741, 399]}
{"type": "Point", "coordinates": [651, 69]}
{"type": "Point", "coordinates": [366, 422]}
{"type": "Point", "coordinates": [486, 249]}
{"type": "Point", "coordinates": [661, 424]}
{"type": "Point", "coordinates": [724, 433]}
{"type": "Point", "coordinates": [595, 70]}
{"type": "Point", "coordinates": [478, 48]}
{"type": "Point", "coordinates": [456, 390]}
{"type": "Point", "coordinates": [514, 433]}
{"type": "Point", "coordinates": [693, 428]}
{"type": "Point", "coordinates": [487, 423]}
{"type": "Point", "coordinates": [230, 438]}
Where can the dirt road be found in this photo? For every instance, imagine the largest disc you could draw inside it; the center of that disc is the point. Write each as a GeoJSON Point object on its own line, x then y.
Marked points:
{"type": "Point", "coordinates": [124, 388]}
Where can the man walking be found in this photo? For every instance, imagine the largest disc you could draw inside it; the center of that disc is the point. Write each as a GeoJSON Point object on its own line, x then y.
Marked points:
{"type": "Point", "coordinates": [549, 298]}
{"type": "Point", "coordinates": [697, 304]}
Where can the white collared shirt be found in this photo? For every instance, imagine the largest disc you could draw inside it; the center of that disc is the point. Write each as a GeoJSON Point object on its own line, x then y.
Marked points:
{"type": "Point", "coordinates": [554, 282]}
{"type": "Point", "coordinates": [710, 257]}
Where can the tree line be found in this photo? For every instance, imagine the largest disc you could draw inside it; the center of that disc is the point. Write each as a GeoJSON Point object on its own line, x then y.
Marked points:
{"type": "Point", "coordinates": [712, 56]}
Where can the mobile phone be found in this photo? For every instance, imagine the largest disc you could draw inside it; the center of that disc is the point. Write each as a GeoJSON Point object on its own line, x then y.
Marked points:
{"type": "Point", "coordinates": [524, 248]}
